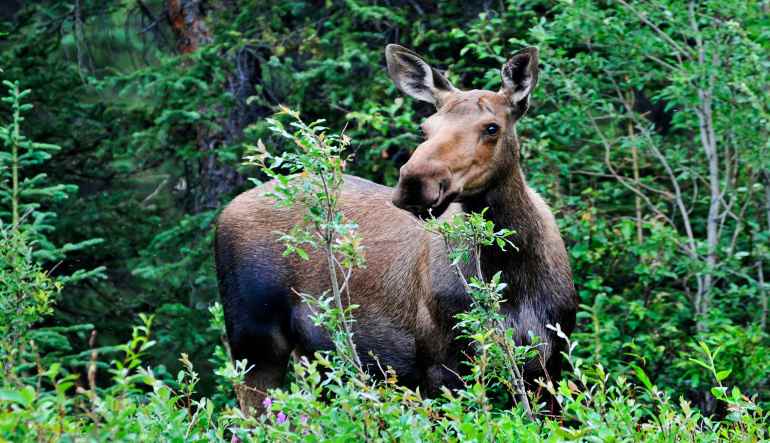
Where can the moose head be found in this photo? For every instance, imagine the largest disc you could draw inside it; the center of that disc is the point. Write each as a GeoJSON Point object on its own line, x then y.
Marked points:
{"type": "Point", "coordinates": [470, 142]}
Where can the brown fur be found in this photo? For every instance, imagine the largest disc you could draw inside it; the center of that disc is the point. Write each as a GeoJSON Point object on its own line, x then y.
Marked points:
{"type": "Point", "coordinates": [408, 294]}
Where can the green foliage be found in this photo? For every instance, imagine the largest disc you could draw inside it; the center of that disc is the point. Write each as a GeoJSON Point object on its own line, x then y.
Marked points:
{"type": "Point", "coordinates": [26, 295]}
{"type": "Point", "coordinates": [21, 196]}
{"type": "Point", "coordinates": [129, 140]}
{"type": "Point", "coordinates": [315, 185]}
{"type": "Point", "coordinates": [466, 233]}
{"type": "Point", "coordinates": [315, 180]}
{"type": "Point", "coordinates": [28, 289]}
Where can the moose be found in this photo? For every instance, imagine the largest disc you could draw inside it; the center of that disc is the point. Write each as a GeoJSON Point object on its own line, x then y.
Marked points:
{"type": "Point", "coordinates": [409, 293]}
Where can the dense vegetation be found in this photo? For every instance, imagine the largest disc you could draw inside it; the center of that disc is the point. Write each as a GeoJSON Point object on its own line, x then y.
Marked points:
{"type": "Point", "coordinates": [123, 130]}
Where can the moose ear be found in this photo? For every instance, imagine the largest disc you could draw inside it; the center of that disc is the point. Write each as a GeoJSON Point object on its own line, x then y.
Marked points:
{"type": "Point", "coordinates": [520, 77]}
{"type": "Point", "coordinates": [414, 77]}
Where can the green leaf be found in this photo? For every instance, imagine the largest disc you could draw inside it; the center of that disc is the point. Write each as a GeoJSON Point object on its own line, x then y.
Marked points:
{"type": "Point", "coordinates": [643, 377]}
{"type": "Point", "coordinates": [721, 375]}
{"type": "Point", "coordinates": [24, 396]}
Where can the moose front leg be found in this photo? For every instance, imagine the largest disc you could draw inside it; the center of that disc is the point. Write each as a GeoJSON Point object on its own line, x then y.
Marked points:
{"type": "Point", "coordinates": [438, 368]}
{"type": "Point", "coordinates": [440, 376]}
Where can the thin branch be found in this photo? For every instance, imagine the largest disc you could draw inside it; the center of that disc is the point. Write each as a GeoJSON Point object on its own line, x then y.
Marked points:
{"type": "Point", "coordinates": [625, 182]}
{"type": "Point", "coordinates": [763, 294]}
{"type": "Point", "coordinates": [679, 201]}
{"type": "Point", "coordinates": [679, 49]}
{"type": "Point", "coordinates": [664, 64]}
{"type": "Point", "coordinates": [740, 217]}
{"type": "Point", "coordinates": [668, 195]}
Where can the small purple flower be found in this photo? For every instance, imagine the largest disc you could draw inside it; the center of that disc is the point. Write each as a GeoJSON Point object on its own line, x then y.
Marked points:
{"type": "Point", "coordinates": [303, 419]}
{"type": "Point", "coordinates": [235, 439]}
{"type": "Point", "coordinates": [280, 418]}
{"type": "Point", "coordinates": [267, 402]}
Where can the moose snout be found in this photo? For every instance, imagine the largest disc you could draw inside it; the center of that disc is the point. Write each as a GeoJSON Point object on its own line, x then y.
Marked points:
{"type": "Point", "coordinates": [422, 191]}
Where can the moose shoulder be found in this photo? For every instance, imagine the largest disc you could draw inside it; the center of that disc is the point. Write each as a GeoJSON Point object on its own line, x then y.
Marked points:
{"type": "Point", "coordinates": [408, 294]}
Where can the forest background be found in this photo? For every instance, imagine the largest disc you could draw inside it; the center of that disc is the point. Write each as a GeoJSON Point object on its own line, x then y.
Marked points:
{"type": "Point", "coordinates": [648, 135]}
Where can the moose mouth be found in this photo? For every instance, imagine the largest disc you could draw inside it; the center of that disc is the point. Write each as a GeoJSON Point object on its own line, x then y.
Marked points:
{"type": "Point", "coordinates": [435, 210]}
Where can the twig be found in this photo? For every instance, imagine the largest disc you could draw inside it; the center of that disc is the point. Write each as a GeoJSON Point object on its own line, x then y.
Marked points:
{"type": "Point", "coordinates": [679, 49]}
{"type": "Point", "coordinates": [618, 177]}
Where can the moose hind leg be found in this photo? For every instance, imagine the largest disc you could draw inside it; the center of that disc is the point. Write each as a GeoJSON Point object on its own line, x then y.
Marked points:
{"type": "Point", "coordinates": [267, 354]}
{"type": "Point", "coordinates": [257, 319]}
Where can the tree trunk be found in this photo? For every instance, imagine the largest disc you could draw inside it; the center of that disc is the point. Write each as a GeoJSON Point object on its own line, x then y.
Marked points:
{"type": "Point", "coordinates": [760, 261]}
{"type": "Point", "coordinates": [704, 110]}
{"type": "Point", "coordinates": [214, 178]}
{"type": "Point", "coordinates": [712, 239]}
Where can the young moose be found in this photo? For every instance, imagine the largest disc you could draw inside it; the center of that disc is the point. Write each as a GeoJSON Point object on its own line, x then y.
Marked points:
{"type": "Point", "coordinates": [409, 293]}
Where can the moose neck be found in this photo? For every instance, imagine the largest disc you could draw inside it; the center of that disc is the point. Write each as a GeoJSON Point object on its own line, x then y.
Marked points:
{"type": "Point", "coordinates": [511, 207]}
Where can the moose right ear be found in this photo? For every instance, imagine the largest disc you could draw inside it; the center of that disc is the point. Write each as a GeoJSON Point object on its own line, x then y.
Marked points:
{"type": "Point", "coordinates": [414, 77]}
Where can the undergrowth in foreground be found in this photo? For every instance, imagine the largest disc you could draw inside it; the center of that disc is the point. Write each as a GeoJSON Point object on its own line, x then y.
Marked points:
{"type": "Point", "coordinates": [329, 398]}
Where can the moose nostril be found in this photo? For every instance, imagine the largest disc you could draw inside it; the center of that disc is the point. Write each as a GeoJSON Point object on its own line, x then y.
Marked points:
{"type": "Point", "coordinates": [443, 185]}
{"type": "Point", "coordinates": [437, 198]}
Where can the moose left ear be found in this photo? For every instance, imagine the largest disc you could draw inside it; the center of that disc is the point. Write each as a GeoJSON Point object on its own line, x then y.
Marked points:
{"type": "Point", "coordinates": [520, 77]}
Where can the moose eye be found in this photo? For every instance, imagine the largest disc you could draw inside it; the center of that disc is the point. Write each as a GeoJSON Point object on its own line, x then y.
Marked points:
{"type": "Point", "coordinates": [491, 129]}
